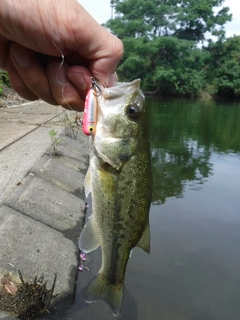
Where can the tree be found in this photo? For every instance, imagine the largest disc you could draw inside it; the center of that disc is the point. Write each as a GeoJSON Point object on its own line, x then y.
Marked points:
{"type": "Point", "coordinates": [166, 65]}
{"type": "Point", "coordinates": [223, 67]}
{"type": "Point", "coordinates": [186, 19]}
{"type": "Point", "coordinates": [160, 39]}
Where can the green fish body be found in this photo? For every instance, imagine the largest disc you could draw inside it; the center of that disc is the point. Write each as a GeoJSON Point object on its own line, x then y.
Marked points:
{"type": "Point", "coordinates": [119, 179]}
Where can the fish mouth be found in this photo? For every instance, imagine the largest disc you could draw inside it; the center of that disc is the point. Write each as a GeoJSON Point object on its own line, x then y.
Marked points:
{"type": "Point", "coordinates": [121, 88]}
{"type": "Point", "coordinates": [89, 301]}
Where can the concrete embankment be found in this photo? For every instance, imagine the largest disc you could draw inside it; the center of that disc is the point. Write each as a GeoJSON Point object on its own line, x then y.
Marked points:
{"type": "Point", "coordinates": [42, 202]}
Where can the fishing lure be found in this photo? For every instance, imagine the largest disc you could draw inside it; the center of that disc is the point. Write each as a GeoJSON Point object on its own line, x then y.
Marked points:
{"type": "Point", "coordinates": [90, 109]}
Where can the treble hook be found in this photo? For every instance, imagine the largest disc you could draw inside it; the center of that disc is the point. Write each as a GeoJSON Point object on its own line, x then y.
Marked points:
{"type": "Point", "coordinates": [95, 85]}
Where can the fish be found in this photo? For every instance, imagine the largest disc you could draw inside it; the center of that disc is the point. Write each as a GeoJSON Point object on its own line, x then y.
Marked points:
{"type": "Point", "coordinates": [120, 182]}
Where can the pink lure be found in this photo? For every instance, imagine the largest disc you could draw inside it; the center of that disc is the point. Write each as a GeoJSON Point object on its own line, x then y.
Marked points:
{"type": "Point", "coordinates": [90, 113]}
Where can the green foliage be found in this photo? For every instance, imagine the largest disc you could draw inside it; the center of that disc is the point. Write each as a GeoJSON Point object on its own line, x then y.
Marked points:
{"type": "Point", "coordinates": [196, 18]}
{"type": "Point", "coordinates": [167, 65]}
{"type": "Point", "coordinates": [4, 79]}
{"type": "Point", "coordinates": [55, 141]}
{"type": "Point", "coordinates": [188, 19]}
{"type": "Point", "coordinates": [223, 67]}
{"type": "Point", "coordinates": [160, 39]}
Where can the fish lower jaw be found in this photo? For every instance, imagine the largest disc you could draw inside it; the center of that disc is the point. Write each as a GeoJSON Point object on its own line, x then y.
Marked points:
{"type": "Point", "coordinates": [89, 301]}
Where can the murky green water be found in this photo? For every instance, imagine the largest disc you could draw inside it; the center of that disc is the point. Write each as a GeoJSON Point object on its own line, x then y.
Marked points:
{"type": "Point", "coordinates": [188, 138]}
{"type": "Point", "coordinates": [193, 271]}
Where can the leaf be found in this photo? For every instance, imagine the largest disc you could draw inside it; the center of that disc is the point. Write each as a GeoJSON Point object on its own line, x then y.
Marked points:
{"type": "Point", "coordinates": [9, 286]}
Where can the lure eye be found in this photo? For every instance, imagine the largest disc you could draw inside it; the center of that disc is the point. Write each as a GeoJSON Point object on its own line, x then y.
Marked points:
{"type": "Point", "coordinates": [133, 111]}
{"type": "Point", "coordinates": [90, 128]}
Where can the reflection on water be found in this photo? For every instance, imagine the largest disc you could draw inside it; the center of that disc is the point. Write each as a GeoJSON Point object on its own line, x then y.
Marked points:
{"type": "Point", "coordinates": [193, 271]}
{"type": "Point", "coordinates": [184, 136]}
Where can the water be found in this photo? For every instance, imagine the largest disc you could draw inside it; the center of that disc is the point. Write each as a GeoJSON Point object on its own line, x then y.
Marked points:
{"type": "Point", "coordinates": [193, 271]}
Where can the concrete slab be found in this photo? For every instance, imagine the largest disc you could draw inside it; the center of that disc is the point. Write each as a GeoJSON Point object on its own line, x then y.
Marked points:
{"type": "Point", "coordinates": [78, 165]}
{"type": "Point", "coordinates": [34, 248]}
{"type": "Point", "coordinates": [72, 145]}
{"type": "Point", "coordinates": [17, 159]}
{"type": "Point", "coordinates": [48, 204]}
{"type": "Point", "coordinates": [74, 153]}
{"type": "Point", "coordinates": [59, 174]}
{"type": "Point", "coordinates": [34, 113]}
{"type": "Point", "coordinates": [17, 122]}
{"type": "Point", "coordinates": [78, 147]}
{"type": "Point", "coordinates": [8, 136]}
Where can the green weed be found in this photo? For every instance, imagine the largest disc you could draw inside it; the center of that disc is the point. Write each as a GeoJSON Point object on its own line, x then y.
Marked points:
{"type": "Point", "coordinates": [55, 141]}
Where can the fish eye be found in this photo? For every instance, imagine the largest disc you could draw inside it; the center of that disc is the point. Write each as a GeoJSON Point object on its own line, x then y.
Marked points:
{"type": "Point", "coordinates": [133, 111]}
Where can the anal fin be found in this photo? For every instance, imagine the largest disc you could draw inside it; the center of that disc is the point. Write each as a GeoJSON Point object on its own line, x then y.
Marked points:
{"type": "Point", "coordinates": [144, 241]}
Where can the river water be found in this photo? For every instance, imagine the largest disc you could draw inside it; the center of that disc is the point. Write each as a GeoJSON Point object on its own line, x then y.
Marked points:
{"type": "Point", "coordinates": [193, 270]}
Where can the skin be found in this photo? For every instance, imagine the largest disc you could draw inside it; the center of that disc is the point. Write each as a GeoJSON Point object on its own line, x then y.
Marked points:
{"type": "Point", "coordinates": [34, 34]}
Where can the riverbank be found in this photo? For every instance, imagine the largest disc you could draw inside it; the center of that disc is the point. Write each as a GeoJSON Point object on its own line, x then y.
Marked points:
{"type": "Point", "coordinates": [42, 203]}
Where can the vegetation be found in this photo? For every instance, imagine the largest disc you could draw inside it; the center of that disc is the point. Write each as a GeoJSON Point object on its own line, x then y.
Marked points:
{"type": "Point", "coordinates": [4, 79]}
{"type": "Point", "coordinates": [55, 141]}
{"type": "Point", "coordinates": [25, 300]}
{"type": "Point", "coordinates": [223, 67]}
{"type": "Point", "coordinates": [161, 40]}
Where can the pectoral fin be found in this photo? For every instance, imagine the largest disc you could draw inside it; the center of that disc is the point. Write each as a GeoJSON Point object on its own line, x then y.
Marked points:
{"type": "Point", "coordinates": [87, 183]}
{"type": "Point", "coordinates": [144, 241]}
{"type": "Point", "coordinates": [88, 240]}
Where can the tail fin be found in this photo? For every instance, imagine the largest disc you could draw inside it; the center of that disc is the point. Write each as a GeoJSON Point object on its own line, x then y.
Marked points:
{"type": "Point", "coordinates": [99, 289]}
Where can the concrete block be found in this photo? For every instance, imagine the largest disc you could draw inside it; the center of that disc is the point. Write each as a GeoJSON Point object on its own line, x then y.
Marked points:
{"type": "Point", "coordinates": [59, 174]}
{"type": "Point", "coordinates": [35, 248]}
{"type": "Point", "coordinates": [16, 122]}
{"type": "Point", "coordinates": [78, 165]}
{"type": "Point", "coordinates": [48, 204]}
{"type": "Point", "coordinates": [79, 146]}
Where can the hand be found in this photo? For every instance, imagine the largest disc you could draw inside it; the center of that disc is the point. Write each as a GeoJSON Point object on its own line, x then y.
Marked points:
{"type": "Point", "coordinates": [33, 36]}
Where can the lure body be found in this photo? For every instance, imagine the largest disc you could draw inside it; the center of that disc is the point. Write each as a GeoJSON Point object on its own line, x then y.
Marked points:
{"type": "Point", "coordinates": [90, 113]}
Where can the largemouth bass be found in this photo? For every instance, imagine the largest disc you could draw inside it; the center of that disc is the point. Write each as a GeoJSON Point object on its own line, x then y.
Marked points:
{"type": "Point", "coordinates": [119, 179]}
